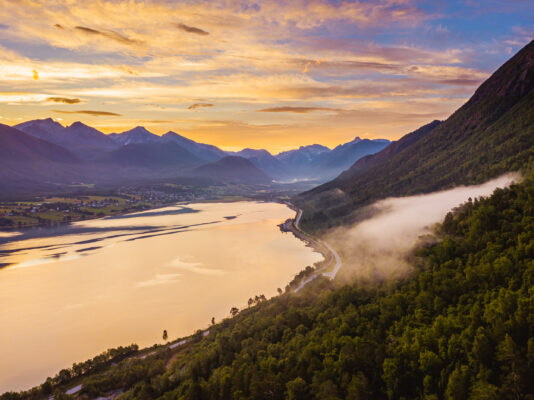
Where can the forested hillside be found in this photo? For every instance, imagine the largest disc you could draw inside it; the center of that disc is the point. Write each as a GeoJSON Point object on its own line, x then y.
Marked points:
{"type": "Point", "coordinates": [491, 134]}
{"type": "Point", "coordinates": [460, 327]}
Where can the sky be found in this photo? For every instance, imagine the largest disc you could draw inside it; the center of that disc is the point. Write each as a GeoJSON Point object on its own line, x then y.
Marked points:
{"type": "Point", "coordinates": [267, 74]}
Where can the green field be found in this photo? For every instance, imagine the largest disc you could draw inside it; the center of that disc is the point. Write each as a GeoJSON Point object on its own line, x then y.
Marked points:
{"type": "Point", "coordinates": [53, 210]}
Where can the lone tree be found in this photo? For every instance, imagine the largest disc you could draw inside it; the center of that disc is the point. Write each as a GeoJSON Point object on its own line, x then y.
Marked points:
{"type": "Point", "coordinates": [165, 336]}
{"type": "Point", "coordinates": [213, 320]}
{"type": "Point", "coordinates": [234, 311]}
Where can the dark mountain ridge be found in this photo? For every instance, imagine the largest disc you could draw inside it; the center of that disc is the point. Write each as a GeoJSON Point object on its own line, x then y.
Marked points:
{"type": "Point", "coordinates": [311, 163]}
{"type": "Point", "coordinates": [207, 152]}
{"type": "Point", "coordinates": [28, 161]}
{"type": "Point", "coordinates": [82, 140]}
{"type": "Point", "coordinates": [139, 134]}
{"type": "Point", "coordinates": [491, 134]}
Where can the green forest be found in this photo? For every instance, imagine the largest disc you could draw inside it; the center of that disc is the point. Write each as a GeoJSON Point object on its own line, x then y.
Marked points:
{"type": "Point", "coordinates": [460, 327]}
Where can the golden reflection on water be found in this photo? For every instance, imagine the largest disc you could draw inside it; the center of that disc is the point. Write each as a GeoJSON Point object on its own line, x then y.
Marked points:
{"type": "Point", "coordinates": [62, 301]}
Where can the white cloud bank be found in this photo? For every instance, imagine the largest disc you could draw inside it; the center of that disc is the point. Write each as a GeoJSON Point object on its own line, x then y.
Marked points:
{"type": "Point", "coordinates": [377, 248]}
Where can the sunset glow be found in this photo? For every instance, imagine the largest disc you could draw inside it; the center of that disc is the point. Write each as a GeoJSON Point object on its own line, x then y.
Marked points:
{"type": "Point", "coordinates": [237, 74]}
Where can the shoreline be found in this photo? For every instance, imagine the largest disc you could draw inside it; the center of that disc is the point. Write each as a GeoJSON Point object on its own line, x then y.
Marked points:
{"type": "Point", "coordinates": [179, 341]}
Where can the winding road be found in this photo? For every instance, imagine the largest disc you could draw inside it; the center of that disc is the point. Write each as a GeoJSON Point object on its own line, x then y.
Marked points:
{"type": "Point", "coordinates": [335, 256]}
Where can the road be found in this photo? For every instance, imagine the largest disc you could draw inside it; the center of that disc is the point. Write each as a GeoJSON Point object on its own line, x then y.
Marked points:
{"type": "Point", "coordinates": [335, 256]}
{"type": "Point", "coordinates": [297, 219]}
{"type": "Point", "coordinates": [337, 266]}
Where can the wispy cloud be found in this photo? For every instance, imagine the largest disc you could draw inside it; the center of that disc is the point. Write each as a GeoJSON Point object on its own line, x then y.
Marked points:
{"type": "Point", "coordinates": [89, 112]}
{"type": "Point", "coordinates": [346, 67]}
{"type": "Point", "coordinates": [199, 105]}
{"type": "Point", "coordinates": [191, 29]}
{"type": "Point", "coordinates": [65, 100]}
{"type": "Point", "coordinates": [107, 34]}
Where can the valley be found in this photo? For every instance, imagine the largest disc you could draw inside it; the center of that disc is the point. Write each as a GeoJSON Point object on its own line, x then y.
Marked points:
{"type": "Point", "coordinates": [138, 157]}
{"type": "Point", "coordinates": [315, 200]}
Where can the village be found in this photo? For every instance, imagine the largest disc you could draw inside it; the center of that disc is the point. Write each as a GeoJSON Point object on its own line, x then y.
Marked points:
{"type": "Point", "coordinates": [46, 211]}
{"type": "Point", "coordinates": [54, 210]}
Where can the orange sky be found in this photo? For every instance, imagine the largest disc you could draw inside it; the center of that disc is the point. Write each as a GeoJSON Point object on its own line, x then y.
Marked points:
{"type": "Point", "coordinates": [236, 74]}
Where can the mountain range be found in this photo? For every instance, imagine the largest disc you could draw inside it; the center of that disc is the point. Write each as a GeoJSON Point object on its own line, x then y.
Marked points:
{"type": "Point", "coordinates": [95, 157]}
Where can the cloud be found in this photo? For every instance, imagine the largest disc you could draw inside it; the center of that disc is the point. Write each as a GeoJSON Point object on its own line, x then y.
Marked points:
{"type": "Point", "coordinates": [65, 100]}
{"type": "Point", "coordinates": [107, 34]}
{"type": "Point", "coordinates": [379, 247]}
{"type": "Point", "coordinates": [89, 112]}
{"type": "Point", "coordinates": [198, 105]}
{"type": "Point", "coordinates": [463, 81]}
{"type": "Point", "coordinates": [351, 52]}
{"type": "Point", "coordinates": [35, 75]}
{"type": "Point", "coordinates": [191, 29]}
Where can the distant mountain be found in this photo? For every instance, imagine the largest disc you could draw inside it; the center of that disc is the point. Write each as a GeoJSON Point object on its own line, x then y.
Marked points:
{"type": "Point", "coordinates": [151, 156]}
{"type": "Point", "coordinates": [491, 134]}
{"type": "Point", "coordinates": [313, 162]}
{"type": "Point", "coordinates": [301, 158]}
{"type": "Point", "coordinates": [46, 129]}
{"type": "Point", "coordinates": [139, 134]}
{"type": "Point", "coordinates": [265, 161]}
{"type": "Point", "coordinates": [79, 138]}
{"type": "Point", "coordinates": [233, 169]}
{"type": "Point", "coordinates": [331, 163]}
{"type": "Point", "coordinates": [81, 134]}
{"type": "Point", "coordinates": [204, 151]}
{"type": "Point", "coordinates": [26, 161]}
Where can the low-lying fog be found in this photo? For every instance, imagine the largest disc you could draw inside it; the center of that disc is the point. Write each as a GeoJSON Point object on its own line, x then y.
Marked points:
{"type": "Point", "coordinates": [377, 247]}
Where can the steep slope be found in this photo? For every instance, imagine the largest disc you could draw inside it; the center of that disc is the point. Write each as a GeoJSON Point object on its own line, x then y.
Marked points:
{"type": "Point", "coordinates": [233, 169]}
{"type": "Point", "coordinates": [29, 162]}
{"type": "Point", "coordinates": [384, 155]}
{"type": "Point", "coordinates": [491, 134]}
{"type": "Point", "coordinates": [139, 134]}
{"type": "Point", "coordinates": [204, 151]}
{"type": "Point", "coordinates": [82, 135]}
{"type": "Point", "coordinates": [46, 129]}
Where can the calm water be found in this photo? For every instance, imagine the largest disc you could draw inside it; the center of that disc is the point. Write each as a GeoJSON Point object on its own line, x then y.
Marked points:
{"type": "Point", "coordinates": [69, 293]}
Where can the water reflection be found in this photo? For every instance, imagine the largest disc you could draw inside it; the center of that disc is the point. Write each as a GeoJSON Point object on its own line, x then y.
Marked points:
{"type": "Point", "coordinates": [69, 292]}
